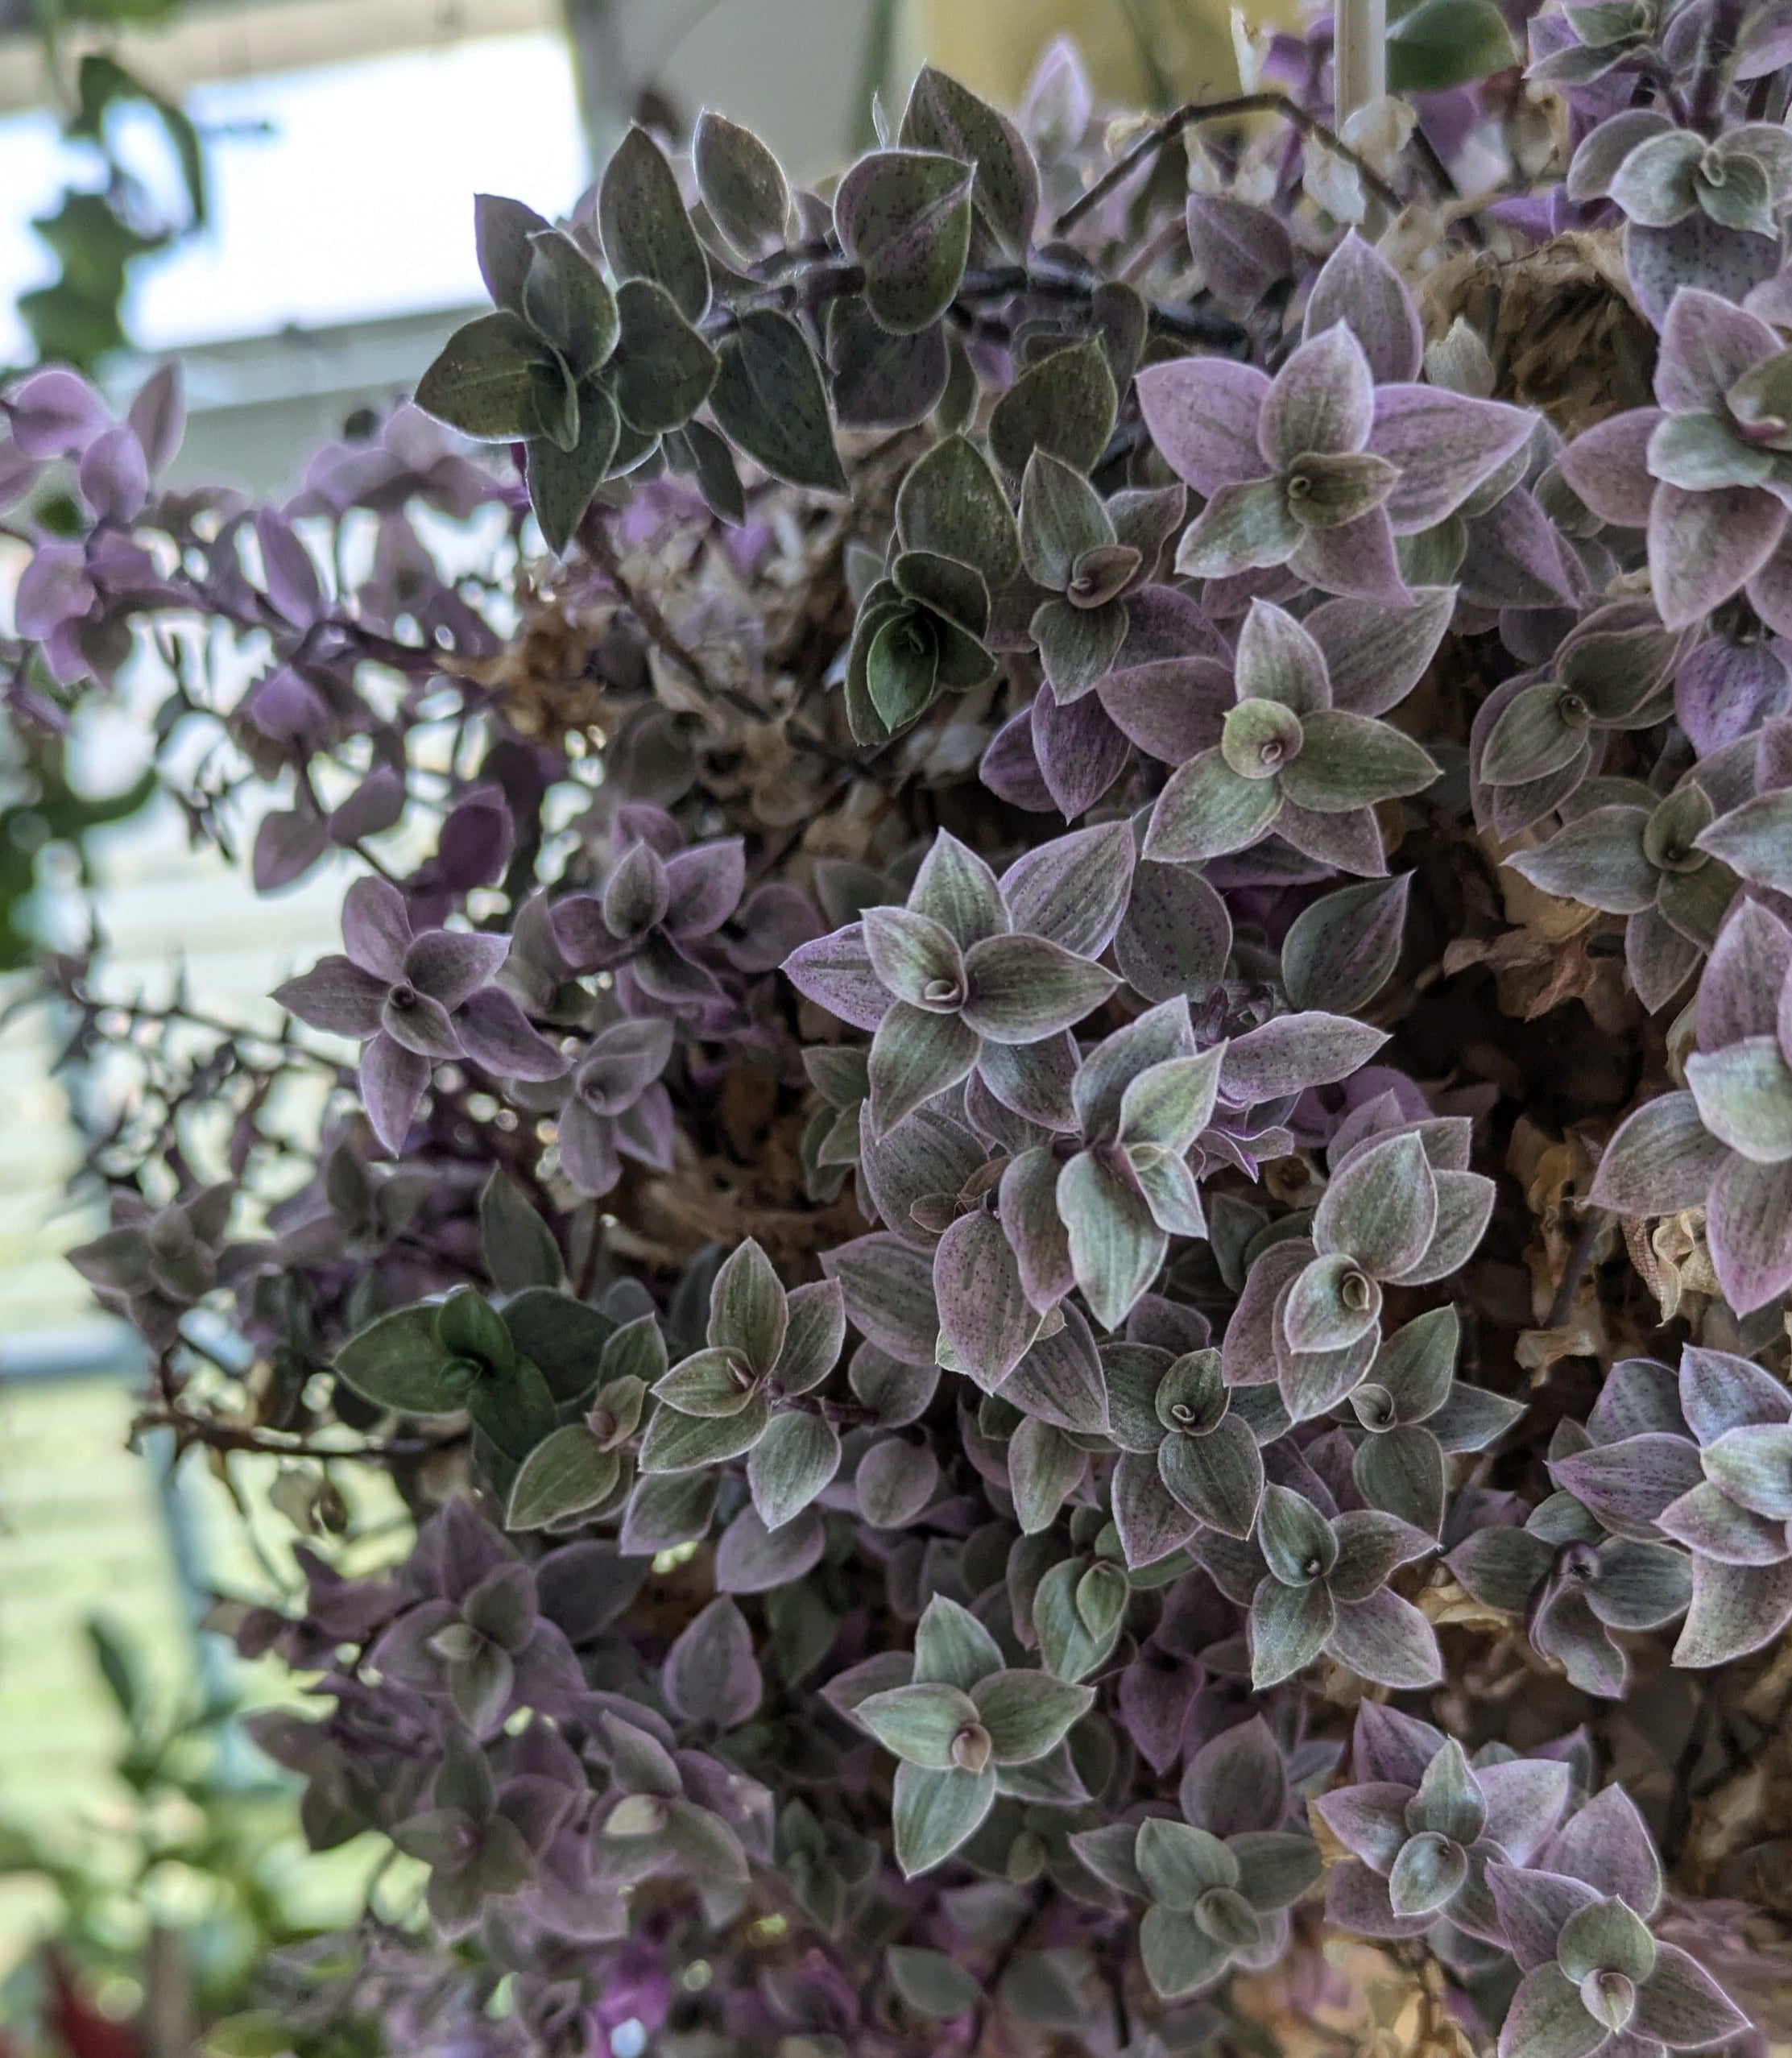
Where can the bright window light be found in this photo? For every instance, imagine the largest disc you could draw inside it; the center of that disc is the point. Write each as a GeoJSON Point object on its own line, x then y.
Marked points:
{"type": "Point", "coordinates": [339, 194]}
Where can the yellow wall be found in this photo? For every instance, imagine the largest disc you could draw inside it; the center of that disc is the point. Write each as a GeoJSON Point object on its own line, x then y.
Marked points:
{"type": "Point", "coordinates": [992, 44]}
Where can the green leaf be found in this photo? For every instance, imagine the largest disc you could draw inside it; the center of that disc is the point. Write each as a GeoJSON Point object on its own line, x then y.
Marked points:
{"type": "Point", "coordinates": [647, 233]}
{"type": "Point", "coordinates": [1295, 1538]}
{"type": "Point", "coordinates": [1217, 1476]}
{"type": "Point", "coordinates": [905, 216]}
{"type": "Point", "coordinates": [914, 1056]}
{"type": "Point", "coordinates": [484, 381]}
{"type": "Point", "coordinates": [1070, 1649]}
{"type": "Point", "coordinates": [934, 1812]}
{"type": "Point", "coordinates": [501, 230]}
{"type": "Point", "coordinates": [1448, 43]}
{"type": "Point", "coordinates": [666, 369]}
{"type": "Point", "coordinates": [396, 1362]}
{"type": "Point", "coordinates": [717, 479]}
{"type": "Point", "coordinates": [635, 1351]}
{"type": "Point", "coordinates": [713, 1383]}
{"type": "Point", "coordinates": [814, 1333]}
{"type": "Point", "coordinates": [901, 668]}
{"type": "Point", "coordinates": [958, 403]}
{"type": "Point", "coordinates": [684, 1444]}
{"type": "Point", "coordinates": [741, 184]}
{"type": "Point", "coordinates": [942, 115]}
{"type": "Point", "coordinates": [796, 1457]}
{"type": "Point", "coordinates": [1275, 1867]}
{"type": "Point", "coordinates": [518, 1247]}
{"type": "Point", "coordinates": [1415, 1364]}
{"type": "Point", "coordinates": [1289, 1626]}
{"type": "Point", "coordinates": [514, 1408]}
{"type": "Point", "coordinates": [918, 1722]}
{"type": "Point", "coordinates": [1024, 988]}
{"type": "Point", "coordinates": [1169, 1103]}
{"type": "Point", "coordinates": [881, 379]}
{"type": "Point", "coordinates": [769, 401]}
{"type": "Point", "coordinates": [1744, 1097]}
{"type": "Point", "coordinates": [952, 1646]}
{"type": "Point", "coordinates": [1064, 404]}
{"type": "Point", "coordinates": [1115, 1245]}
{"type": "Point", "coordinates": [1061, 517]}
{"type": "Point", "coordinates": [565, 1474]}
{"type": "Point", "coordinates": [1027, 1714]}
{"type": "Point", "coordinates": [951, 503]}
{"type": "Point", "coordinates": [667, 1509]}
{"type": "Point", "coordinates": [468, 1327]}
{"type": "Point", "coordinates": [256, 2033]}
{"type": "Point", "coordinates": [749, 1311]}
{"type": "Point", "coordinates": [1353, 760]}
{"type": "Point", "coordinates": [1206, 810]}
{"type": "Point", "coordinates": [120, 1668]}
{"type": "Point", "coordinates": [1044, 1465]}
{"type": "Point", "coordinates": [565, 301]}
{"type": "Point", "coordinates": [945, 586]}
{"type": "Point", "coordinates": [563, 1337]}
{"type": "Point", "coordinates": [1179, 1863]}
{"type": "Point", "coordinates": [1380, 1208]}
{"type": "Point", "coordinates": [1178, 1956]}
{"type": "Point", "coordinates": [1342, 950]}
{"type": "Point", "coordinates": [561, 482]}
{"type": "Point", "coordinates": [930, 1982]}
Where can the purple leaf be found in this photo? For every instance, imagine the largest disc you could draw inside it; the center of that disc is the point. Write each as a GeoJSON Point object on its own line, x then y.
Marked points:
{"type": "Point", "coordinates": [1608, 467]}
{"type": "Point", "coordinates": [1735, 1609]}
{"type": "Point", "coordinates": [1445, 445]}
{"type": "Point", "coordinates": [376, 929]}
{"type": "Point", "coordinates": [1243, 250]}
{"type": "Point", "coordinates": [114, 477]}
{"type": "Point", "coordinates": [1607, 1844]}
{"type": "Point", "coordinates": [1073, 890]}
{"type": "Point", "coordinates": [835, 972]}
{"type": "Point", "coordinates": [1387, 1640]}
{"type": "Point", "coordinates": [1534, 1906]}
{"type": "Point", "coordinates": [53, 588]}
{"type": "Point", "coordinates": [1719, 1391]}
{"type": "Point", "coordinates": [1682, 2005]}
{"type": "Point", "coordinates": [1203, 414]}
{"type": "Point", "coordinates": [1749, 1225]}
{"type": "Point", "coordinates": [1357, 285]}
{"type": "Point", "coordinates": [392, 1082]}
{"type": "Point", "coordinates": [1237, 1780]}
{"type": "Point", "coordinates": [335, 995]}
{"type": "Point", "coordinates": [1323, 399]}
{"type": "Point", "coordinates": [984, 1309]}
{"type": "Point", "coordinates": [1703, 547]}
{"type": "Point", "coordinates": [889, 1291]}
{"type": "Point", "coordinates": [710, 1674]}
{"type": "Point", "coordinates": [55, 414]}
{"type": "Point", "coordinates": [495, 1032]}
{"type": "Point", "coordinates": [1295, 1052]}
{"type": "Point", "coordinates": [1706, 345]}
{"type": "Point", "coordinates": [1628, 1485]}
{"type": "Point", "coordinates": [1661, 1159]}
{"type": "Point", "coordinates": [1079, 751]}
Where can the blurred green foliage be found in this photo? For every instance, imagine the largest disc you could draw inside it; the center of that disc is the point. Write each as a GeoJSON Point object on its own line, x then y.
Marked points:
{"type": "Point", "coordinates": [95, 234]}
{"type": "Point", "coordinates": [167, 1900]}
{"type": "Point", "coordinates": [39, 807]}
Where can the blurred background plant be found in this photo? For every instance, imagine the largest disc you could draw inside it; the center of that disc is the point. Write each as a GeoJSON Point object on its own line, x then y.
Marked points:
{"type": "Point", "coordinates": [165, 1901]}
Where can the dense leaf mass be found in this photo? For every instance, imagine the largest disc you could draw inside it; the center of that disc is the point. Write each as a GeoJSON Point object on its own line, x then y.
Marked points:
{"type": "Point", "coordinates": [1053, 1145]}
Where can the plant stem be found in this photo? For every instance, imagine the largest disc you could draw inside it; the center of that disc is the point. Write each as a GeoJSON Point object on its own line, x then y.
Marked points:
{"type": "Point", "coordinates": [1195, 112]}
